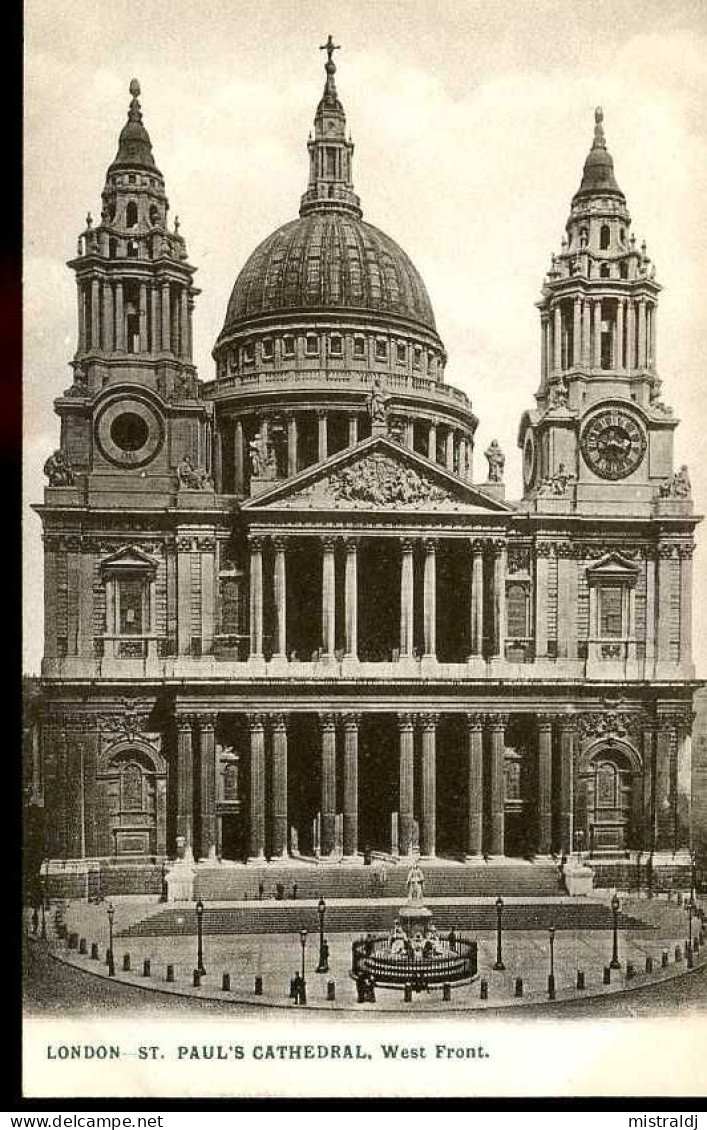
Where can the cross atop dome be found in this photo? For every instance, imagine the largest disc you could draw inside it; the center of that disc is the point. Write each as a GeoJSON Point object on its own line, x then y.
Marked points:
{"type": "Point", "coordinates": [330, 153]}
{"type": "Point", "coordinates": [330, 47]}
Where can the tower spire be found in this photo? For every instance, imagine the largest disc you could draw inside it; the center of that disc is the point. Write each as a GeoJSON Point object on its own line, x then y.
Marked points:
{"type": "Point", "coordinates": [598, 176]}
{"type": "Point", "coordinates": [330, 185]}
{"type": "Point", "coordinates": [134, 145]}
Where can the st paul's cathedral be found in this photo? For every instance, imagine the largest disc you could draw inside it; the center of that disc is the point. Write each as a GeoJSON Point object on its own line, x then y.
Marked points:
{"type": "Point", "coordinates": [291, 621]}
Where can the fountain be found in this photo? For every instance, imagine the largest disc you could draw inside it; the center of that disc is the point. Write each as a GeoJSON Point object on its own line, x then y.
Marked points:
{"type": "Point", "coordinates": [413, 952]}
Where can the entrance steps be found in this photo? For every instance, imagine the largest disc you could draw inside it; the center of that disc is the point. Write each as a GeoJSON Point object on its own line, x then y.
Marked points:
{"type": "Point", "coordinates": [443, 879]}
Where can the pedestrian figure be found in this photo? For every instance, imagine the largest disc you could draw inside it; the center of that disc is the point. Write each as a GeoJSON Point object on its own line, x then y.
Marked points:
{"type": "Point", "coordinates": [325, 957]}
{"type": "Point", "coordinates": [294, 891]}
{"type": "Point", "coordinates": [294, 987]}
{"type": "Point", "coordinates": [261, 889]}
{"type": "Point", "coordinates": [368, 945]}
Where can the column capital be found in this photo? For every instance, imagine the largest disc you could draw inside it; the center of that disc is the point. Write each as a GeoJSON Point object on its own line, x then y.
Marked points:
{"type": "Point", "coordinates": [186, 722]}
{"type": "Point", "coordinates": [322, 413]}
{"type": "Point", "coordinates": [352, 721]}
{"type": "Point", "coordinates": [545, 721]}
{"type": "Point", "coordinates": [327, 720]}
{"type": "Point", "coordinates": [352, 543]}
{"type": "Point", "coordinates": [280, 542]}
{"type": "Point", "coordinates": [206, 721]}
{"type": "Point", "coordinates": [498, 720]}
{"type": "Point", "coordinates": [256, 721]}
{"type": "Point", "coordinates": [279, 722]}
{"type": "Point", "coordinates": [569, 723]}
{"type": "Point", "coordinates": [686, 550]}
{"type": "Point", "coordinates": [431, 545]}
{"type": "Point", "coordinates": [477, 546]}
{"type": "Point", "coordinates": [428, 720]}
{"type": "Point", "coordinates": [255, 542]}
{"type": "Point", "coordinates": [499, 545]}
{"type": "Point", "coordinates": [475, 720]}
{"type": "Point", "coordinates": [407, 545]}
{"type": "Point", "coordinates": [328, 542]}
{"type": "Point", "coordinates": [406, 721]}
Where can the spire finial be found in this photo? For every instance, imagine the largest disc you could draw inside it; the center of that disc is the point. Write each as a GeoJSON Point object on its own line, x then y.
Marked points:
{"type": "Point", "coordinates": [330, 47]}
{"type": "Point", "coordinates": [599, 139]}
{"type": "Point", "coordinates": [134, 114]}
{"type": "Point", "coordinates": [135, 88]}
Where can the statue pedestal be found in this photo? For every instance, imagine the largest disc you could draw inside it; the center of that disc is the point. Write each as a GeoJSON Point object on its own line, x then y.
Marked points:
{"type": "Point", "coordinates": [579, 879]}
{"type": "Point", "coordinates": [180, 878]}
{"type": "Point", "coordinates": [414, 918]}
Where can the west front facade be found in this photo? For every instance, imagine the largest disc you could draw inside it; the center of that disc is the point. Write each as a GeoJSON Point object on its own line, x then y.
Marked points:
{"type": "Point", "coordinates": [287, 616]}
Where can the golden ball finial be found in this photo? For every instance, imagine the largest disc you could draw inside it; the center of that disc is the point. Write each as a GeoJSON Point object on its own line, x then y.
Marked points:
{"type": "Point", "coordinates": [134, 87]}
{"type": "Point", "coordinates": [598, 115]}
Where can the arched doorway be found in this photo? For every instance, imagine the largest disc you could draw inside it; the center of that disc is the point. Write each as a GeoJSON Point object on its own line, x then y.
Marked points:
{"type": "Point", "coordinates": [608, 790]}
{"type": "Point", "coordinates": [132, 802]}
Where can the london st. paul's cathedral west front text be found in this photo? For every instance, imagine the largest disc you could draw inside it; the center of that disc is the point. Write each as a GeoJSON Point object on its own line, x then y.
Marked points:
{"type": "Point", "coordinates": [282, 619]}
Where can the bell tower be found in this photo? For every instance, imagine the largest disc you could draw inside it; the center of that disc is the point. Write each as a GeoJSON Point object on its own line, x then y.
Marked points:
{"type": "Point", "coordinates": [134, 408]}
{"type": "Point", "coordinates": [600, 439]}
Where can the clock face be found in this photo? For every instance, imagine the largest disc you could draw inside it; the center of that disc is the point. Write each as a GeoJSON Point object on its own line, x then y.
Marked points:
{"type": "Point", "coordinates": [613, 443]}
{"type": "Point", "coordinates": [528, 459]}
{"type": "Point", "coordinates": [129, 432]}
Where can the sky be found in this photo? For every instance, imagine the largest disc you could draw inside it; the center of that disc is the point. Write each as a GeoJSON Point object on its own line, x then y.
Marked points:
{"type": "Point", "coordinates": [471, 120]}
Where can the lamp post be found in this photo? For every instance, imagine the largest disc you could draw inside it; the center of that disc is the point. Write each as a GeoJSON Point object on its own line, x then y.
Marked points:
{"type": "Point", "coordinates": [615, 904]}
{"type": "Point", "coordinates": [690, 909]}
{"type": "Point", "coordinates": [43, 927]}
{"type": "Point", "coordinates": [110, 911]}
{"type": "Point", "coordinates": [551, 978]}
{"type": "Point", "coordinates": [498, 964]}
{"type": "Point", "coordinates": [303, 990]}
{"type": "Point", "coordinates": [200, 938]}
{"type": "Point", "coordinates": [323, 965]}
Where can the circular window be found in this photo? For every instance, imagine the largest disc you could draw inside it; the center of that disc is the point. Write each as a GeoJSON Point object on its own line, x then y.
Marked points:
{"type": "Point", "coordinates": [129, 431]}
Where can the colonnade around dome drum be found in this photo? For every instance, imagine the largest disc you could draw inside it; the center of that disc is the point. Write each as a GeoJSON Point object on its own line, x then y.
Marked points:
{"type": "Point", "coordinates": [457, 783]}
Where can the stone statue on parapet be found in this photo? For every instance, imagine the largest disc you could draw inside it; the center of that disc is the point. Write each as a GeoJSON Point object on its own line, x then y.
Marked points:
{"type": "Point", "coordinates": [190, 477]}
{"type": "Point", "coordinates": [58, 470]}
{"type": "Point", "coordinates": [376, 403]}
{"type": "Point", "coordinates": [677, 485]}
{"type": "Point", "coordinates": [415, 883]}
{"type": "Point", "coordinates": [496, 461]}
{"type": "Point", "coordinates": [559, 394]}
{"type": "Point", "coordinates": [263, 464]}
{"type": "Point", "coordinates": [557, 484]}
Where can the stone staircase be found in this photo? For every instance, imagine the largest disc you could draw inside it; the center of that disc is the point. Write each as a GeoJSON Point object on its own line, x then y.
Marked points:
{"type": "Point", "coordinates": [337, 880]}
{"type": "Point", "coordinates": [359, 917]}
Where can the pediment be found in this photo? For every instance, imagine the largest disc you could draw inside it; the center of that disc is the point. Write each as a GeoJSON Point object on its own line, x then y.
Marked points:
{"type": "Point", "coordinates": [378, 474]}
{"type": "Point", "coordinates": [614, 565]}
{"type": "Point", "coordinates": [128, 559]}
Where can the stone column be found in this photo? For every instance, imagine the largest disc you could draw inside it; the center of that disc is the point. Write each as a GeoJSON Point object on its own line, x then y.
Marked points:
{"type": "Point", "coordinates": [428, 829]}
{"type": "Point", "coordinates": [238, 457]}
{"type": "Point", "coordinates": [653, 339]}
{"type": "Point", "coordinates": [108, 338]}
{"type": "Point", "coordinates": [351, 598]}
{"type": "Point", "coordinates": [543, 346]}
{"type": "Point", "coordinates": [207, 548]}
{"type": "Point", "coordinates": [280, 585]}
{"type": "Point", "coordinates": [619, 347]}
{"type": "Point", "coordinates": [142, 309]}
{"type": "Point", "coordinates": [292, 445]}
{"type": "Point", "coordinates": [544, 724]}
{"type": "Point", "coordinates": [666, 553]}
{"type": "Point", "coordinates": [184, 552]}
{"type": "Point", "coordinates": [351, 724]}
{"type": "Point", "coordinates": [166, 319]}
{"type": "Point", "coordinates": [207, 755]}
{"type": "Point", "coordinates": [499, 597]}
{"type": "Point", "coordinates": [475, 785]}
{"type": "Point", "coordinates": [648, 754]}
{"type": "Point", "coordinates": [184, 323]}
{"type": "Point", "coordinates": [568, 736]}
{"type": "Point", "coordinates": [432, 443]}
{"type": "Point", "coordinates": [256, 597]}
{"type": "Point", "coordinates": [185, 781]}
{"type": "Point", "coordinates": [596, 360]}
{"type": "Point", "coordinates": [577, 334]}
{"type": "Point", "coordinates": [406, 795]}
{"type": "Point", "coordinates": [322, 436]}
{"type": "Point", "coordinates": [497, 724]}
{"type": "Point", "coordinates": [449, 450]}
{"type": "Point", "coordinates": [119, 318]}
{"type": "Point", "coordinates": [630, 336]}
{"type": "Point", "coordinates": [557, 339]}
{"type": "Point", "coordinates": [81, 308]}
{"type": "Point", "coordinates": [327, 725]}
{"type": "Point", "coordinates": [279, 786]}
{"type": "Point", "coordinates": [685, 550]}
{"type": "Point", "coordinates": [406, 597]}
{"type": "Point", "coordinates": [154, 318]}
{"type": "Point", "coordinates": [257, 787]}
{"type": "Point", "coordinates": [430, 598]}
{"type": "Point", "coordinates": [328, 597]}
{"type": "Point", "coordinates": [353, 429]}
{"type": "Point", "coordinates": [477, 598]}
{"type": "Point", "coordinates": [641, 359]}
{"type": "Point", "coordinates": [95, 315]}
{"type": "Point", "coordinates": [664, 791]}
{"type": "Point", "coordinates": [586, 334]}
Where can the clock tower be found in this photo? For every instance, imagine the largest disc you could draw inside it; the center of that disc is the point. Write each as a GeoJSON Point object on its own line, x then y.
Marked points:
{"type": "Point", "coordinates": [600, 440]}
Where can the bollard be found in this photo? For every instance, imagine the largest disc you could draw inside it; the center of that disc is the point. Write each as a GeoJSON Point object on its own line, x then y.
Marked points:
{"type": "Point", "coordinates": [111, 964]}
{"type": "Point", "coordinates": [258, 986]}
{"type": "Point", "coordinates": [649, 964]}
{"type": "Point", "coordinates": [170, 974]}
{"type": "Point", "coordinates": [607, 975]}
{"type": "Point", "coordinates": [126, 963]}
{"type": "Point", "coordinates": [580, 978]}
{"type": "Point", "coordinates": [688, 956]}
{"type": "Point", "coordinates": [226, 983]}
{"type": "Point", "coordinates": [678, 954]}
{"type": "Point", "coordinates": [679, 898]}
{"type": "Point", "coordinates": [197, 979]}
{"type": "Point", "coordinates": [664, 959]}
{"type": "Point", "coordinates": [83, 946]}
{"type": "Point", "coordinates": [630, 970]}
{"type": "Point", "coordinates": [146, 967]}
{"type": "Point", "coordinates": [331, 990]}
{"type": "Point", "coordinates": [446, 992]}
{"type": "Point", "coordinates": [407, 993]}
{"type": "Point", "coordinates": [484, 990]}
{"type": "Point", "coordinates": [73, 940]}
{"type": "Point", "coordinates": [551, 986]}
{"type": "Point", "coordinates": [519, 987]}
{"type": "Point", "coordinates": [94, 950]}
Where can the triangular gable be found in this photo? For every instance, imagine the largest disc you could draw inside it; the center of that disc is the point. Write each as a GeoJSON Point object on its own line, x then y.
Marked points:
{"type": "Point", "coordinates": [128, 557]}
{"type": "Point", "coordinates": [376, 474]}
{"type": "Point", "coordinates": [613, 565]}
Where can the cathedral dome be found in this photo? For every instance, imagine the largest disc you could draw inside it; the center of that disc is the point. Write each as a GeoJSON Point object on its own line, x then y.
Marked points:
{"type": "Point", "coordinates": [329, 260]}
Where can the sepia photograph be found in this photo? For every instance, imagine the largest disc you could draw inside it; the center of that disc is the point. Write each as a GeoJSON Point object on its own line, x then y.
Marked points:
{"type": "Point", "coordinates": [364, 739]}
